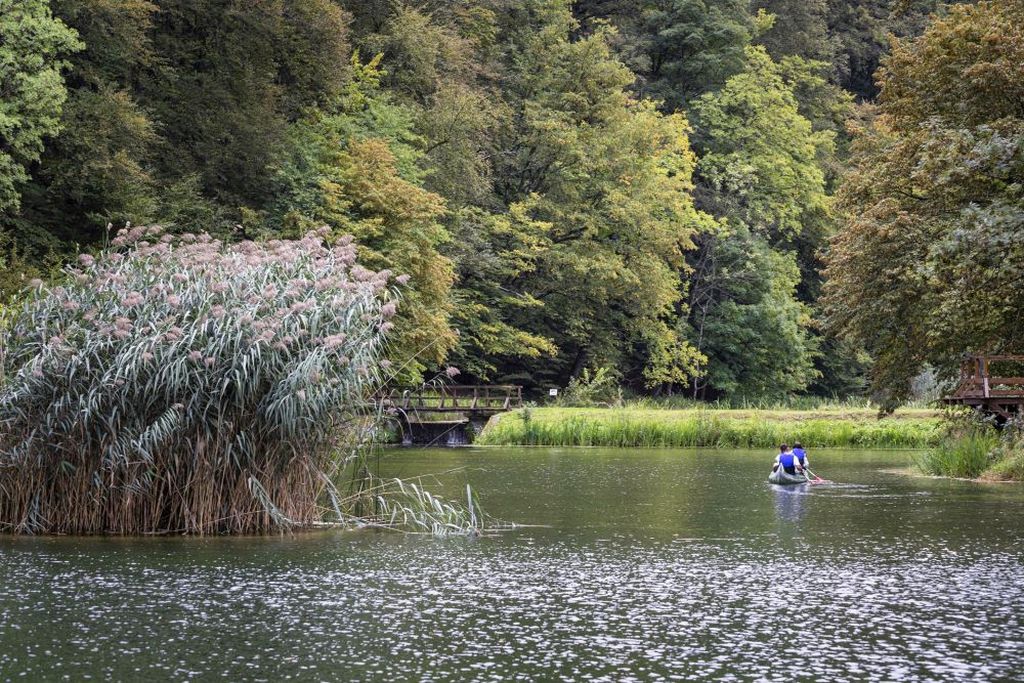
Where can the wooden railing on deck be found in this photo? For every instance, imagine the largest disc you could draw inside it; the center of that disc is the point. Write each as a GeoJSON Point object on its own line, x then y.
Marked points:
{"type": "Point", "coordinates": [976, 381]}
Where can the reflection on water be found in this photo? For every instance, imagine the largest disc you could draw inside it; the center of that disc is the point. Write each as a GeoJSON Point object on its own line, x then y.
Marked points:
{"type": "Point", "coordinates": [790, 503]}
{"type": "Point", "coordinates": [652, 565]}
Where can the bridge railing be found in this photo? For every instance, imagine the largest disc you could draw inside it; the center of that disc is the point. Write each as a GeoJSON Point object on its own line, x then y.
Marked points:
{"type": "Point", "coordinates": [457, 398]}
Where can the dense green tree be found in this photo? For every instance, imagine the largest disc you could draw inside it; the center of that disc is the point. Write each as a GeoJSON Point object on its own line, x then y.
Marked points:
{"type": "Point", "coordinates": [758, 156]}
{"type": "Point", "coordinates": [422, 52]}
{"type": "Point", "coordinates": [524, 165]}
{"type": "Point", "coordinates": [745, 319]}
{"type": "Point", "coordinates": [611, 176]}
{"type": "Point", "coordinates": [929, 262]}
{"type": "Point", "coordinates": [860, 31]}
{"type": "Point", "coordinates": [827, 109]}
{"type": "Point", "coordinates": [759, 172]}
{"type": "Point", "coordinates": [623, 14]}
{"type": "Point", "coordinates": [798, 28]}
{"type": "Point", "coordinates": [355, 166]}
{"type": "Point", "coordinates": [799, 42]}
{"type": "Point", "coordinates": [231, 76]}
{"type": "Point", "coordinates": [441, 64]}
{"type": "Point", "coordinates": [116, 38]}
{"type": "Point", "coordinates": [842, 366]}
{"type": "Point", "coordinates": [33, 45]}
{"type": "Point", "coordinates": [179, 113]}
{"type": "Point", "coordinates": [97, 171]}
{"type": "Point", "coordinates": [491, 252]}
{"type": "Point", "coordinates": [797, 35]}
{"type": "Point", "coordinates": [678, 48]}
{"type": "Point", "coordinates": [689, 47]}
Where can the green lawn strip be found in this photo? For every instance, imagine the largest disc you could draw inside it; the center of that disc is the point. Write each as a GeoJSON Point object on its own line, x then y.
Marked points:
{"type": "Point", "coordinates": [626, 427]}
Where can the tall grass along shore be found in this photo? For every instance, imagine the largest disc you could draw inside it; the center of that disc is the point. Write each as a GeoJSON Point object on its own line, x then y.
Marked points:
{"type": "Point", "coordinates": [645, 427]}
{"type": "Point", "coordinates": [970, 448]}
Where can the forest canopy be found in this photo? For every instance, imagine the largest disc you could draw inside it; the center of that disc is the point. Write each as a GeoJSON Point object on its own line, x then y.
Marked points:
{"type": "Point", "coordinates": [730, 200]}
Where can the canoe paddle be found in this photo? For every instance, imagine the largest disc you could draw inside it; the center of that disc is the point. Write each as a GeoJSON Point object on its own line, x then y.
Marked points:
{"type": "Point", "coordinates": [817, 479]}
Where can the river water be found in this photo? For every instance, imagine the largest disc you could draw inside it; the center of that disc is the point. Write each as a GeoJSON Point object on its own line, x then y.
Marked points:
{"type": "Point", "coordinates": [638, 565]}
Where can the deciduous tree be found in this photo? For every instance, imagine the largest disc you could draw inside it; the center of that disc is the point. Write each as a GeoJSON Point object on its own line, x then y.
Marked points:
{"type": "Point", "coordinates": [355, 166]}
{"type": "Point", "coordinates": [612, 177]}
{"type": "Point", "coordinates": [33, 47]}
{"type": "Point", "coordinates": [930, 260]}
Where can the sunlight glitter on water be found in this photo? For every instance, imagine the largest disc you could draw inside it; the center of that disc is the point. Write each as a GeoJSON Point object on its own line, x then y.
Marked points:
{"type": "Point", "coordinates": [718, 576]}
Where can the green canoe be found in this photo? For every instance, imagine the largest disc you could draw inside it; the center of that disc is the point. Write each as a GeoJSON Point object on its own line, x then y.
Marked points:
{"type": "Point", "coordinates": [782, 477]}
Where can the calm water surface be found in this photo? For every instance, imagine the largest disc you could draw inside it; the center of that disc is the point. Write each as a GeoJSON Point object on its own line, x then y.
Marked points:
{"type": "Point", "coordinates": [645, 565]}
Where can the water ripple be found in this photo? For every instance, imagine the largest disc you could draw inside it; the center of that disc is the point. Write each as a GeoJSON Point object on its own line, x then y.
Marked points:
{"type": "Point", "coordinates": [910, 588]}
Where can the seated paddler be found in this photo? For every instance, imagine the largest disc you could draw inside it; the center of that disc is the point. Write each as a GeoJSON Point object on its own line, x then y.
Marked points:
{"type": "Point", "coordinates": [787, 461]}
{"type": "Point", "coordinates": [801, 455]}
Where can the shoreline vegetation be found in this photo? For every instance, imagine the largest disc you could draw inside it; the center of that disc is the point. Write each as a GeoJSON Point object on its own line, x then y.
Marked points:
{"type": "Point", "coordinates": [638, 427]}
{"type": "Point", "coordinates": [973, 449]}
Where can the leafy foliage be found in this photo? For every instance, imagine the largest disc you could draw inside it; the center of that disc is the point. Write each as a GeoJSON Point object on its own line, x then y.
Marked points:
{"type": "Point", "coordinates": [491, 252]}
{"type": "Point", "coordinates": [745, 319]}
{"type": "Point", "coordinates": [798, 28]}
{"type": "Point", "coordinates": [860, 31]}
{"type": "Point", "coordinates": [758, 156]}
{"type": "Point", "coordinates": [759, 173]}
{"type": "Point", "coordinates": [928, 263]}
{"type": "Point", "coordinates": [529, 166]}
{"type": "Point", "coordinates": [688, 47]}
{"type": "Point", "coordinates": [611, 177]}
{"type": "Point", "coordinates": [600, 387]}
{"type": "Point", "coordinates": [231, 77]}
{"type": "Point", "coordinates": [32, 47]}
{"type": "Point", "coordinates": [356, 169]}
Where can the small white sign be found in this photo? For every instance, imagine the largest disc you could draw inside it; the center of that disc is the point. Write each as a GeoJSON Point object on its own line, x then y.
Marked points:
{"type": "Point", "coordinates": [552, 392]}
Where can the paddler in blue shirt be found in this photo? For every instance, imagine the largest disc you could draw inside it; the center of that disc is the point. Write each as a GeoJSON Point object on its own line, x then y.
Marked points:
{"type": "Point", "coordinates": [787, 461]}
{"type": "Point", "coordinates": [800, 454]}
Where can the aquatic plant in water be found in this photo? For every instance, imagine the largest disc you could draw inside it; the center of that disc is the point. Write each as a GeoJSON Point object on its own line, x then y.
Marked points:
{"type": "Point", "coordinates": [180, 384]}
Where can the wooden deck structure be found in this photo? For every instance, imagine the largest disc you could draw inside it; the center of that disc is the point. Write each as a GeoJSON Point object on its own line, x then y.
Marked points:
{"type": "Point", "coordinates": [1000, 394]}
{"type": "Point", "coordinates": [441, 415]}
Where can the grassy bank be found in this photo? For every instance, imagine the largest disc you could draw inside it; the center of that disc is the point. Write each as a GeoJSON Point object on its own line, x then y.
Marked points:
{"type": "Point", "coordinates": [975, 450]}
{"type": "Point", "coordinates": [652, 427]}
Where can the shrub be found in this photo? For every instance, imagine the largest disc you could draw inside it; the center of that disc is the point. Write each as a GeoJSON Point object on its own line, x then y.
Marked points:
{"type": "Point", "coordinates": [179, 384]}
{"type": "Point", "coordinates": [592, 389]}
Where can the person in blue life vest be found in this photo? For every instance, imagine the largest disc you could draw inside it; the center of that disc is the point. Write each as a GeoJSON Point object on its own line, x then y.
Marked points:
{"type": "Point", "coordinates": [787, 461]}
{"type": "Point", "coordinates": [800, 454]}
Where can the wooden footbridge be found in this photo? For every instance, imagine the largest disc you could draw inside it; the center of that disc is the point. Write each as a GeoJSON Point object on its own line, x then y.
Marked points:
{"type": "Point", "coordinates": [991, 384]}
{"type": "Point", "coordinates": [445, 414]}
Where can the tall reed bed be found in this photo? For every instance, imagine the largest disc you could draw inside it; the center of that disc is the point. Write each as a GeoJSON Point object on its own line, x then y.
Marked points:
{"type": "Point", "coordinates": [700, 428]}
{"type": "Point", "coordinates": [966, 455]}
{"type": "Point", "coordinates": [179, 384]}
{"type": "Point", "coordinates": [967, 447]}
